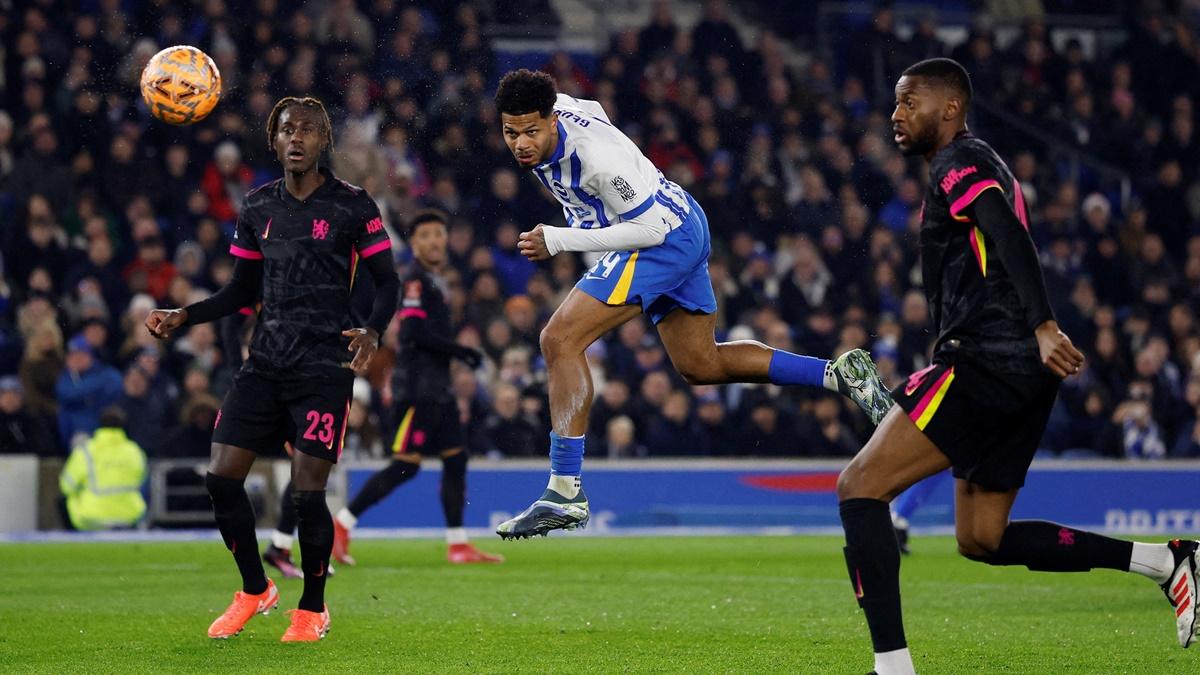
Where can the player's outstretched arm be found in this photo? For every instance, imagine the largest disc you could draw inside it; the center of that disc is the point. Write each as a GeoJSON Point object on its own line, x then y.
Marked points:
{"type": "Point", "coordinates": [241, 291]}
{"type": "Point", "coordinates": [542, 242]}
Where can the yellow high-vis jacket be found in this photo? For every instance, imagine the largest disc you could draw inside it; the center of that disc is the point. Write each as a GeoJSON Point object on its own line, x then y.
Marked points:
{"type": "Point", "coordinates": [102, 482]}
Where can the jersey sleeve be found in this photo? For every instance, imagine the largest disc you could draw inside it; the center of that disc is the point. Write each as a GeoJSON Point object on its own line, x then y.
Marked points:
{"type": "Point", "coordinates": [245, 237]}
{"type": "Point", "coordinates": [371, 237]}
{"type": "Point", "coordinates": [962, 177]}
{"type": "Point", "coordinates": [621, 187]}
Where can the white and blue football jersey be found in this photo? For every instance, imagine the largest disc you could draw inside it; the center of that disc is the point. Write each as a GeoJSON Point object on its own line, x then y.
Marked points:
{"type": "Point", "coordinates": [600, 177]}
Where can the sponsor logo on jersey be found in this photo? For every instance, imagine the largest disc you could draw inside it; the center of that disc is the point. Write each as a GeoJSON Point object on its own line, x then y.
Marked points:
{"type": "Point", "coordinates": [623, 188]}
{"type": "Point", "coordinates": [955, 176]}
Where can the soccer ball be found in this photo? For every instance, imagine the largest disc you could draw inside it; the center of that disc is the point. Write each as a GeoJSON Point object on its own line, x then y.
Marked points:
{"type": "Point", "coordinates": [181, 84]}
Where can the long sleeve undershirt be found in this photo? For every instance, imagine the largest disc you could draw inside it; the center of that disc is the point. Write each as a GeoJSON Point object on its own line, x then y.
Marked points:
{"type": "Point", "coordinates": [993, 214]}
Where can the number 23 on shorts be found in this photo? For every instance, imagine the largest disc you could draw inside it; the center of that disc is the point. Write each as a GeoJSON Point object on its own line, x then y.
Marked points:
{"type": "Point", "coordinates": [320, 427]}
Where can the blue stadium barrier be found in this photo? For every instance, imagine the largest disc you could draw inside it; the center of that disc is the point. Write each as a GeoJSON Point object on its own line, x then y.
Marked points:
{"type": "Point", "coordinates": [1119, 497]}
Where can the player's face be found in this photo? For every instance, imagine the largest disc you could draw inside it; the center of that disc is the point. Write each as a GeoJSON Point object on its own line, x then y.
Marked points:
{"type": "Point", "coordinates": [299, 139]}
{"type": "Point", "coordinates": [917, 116]}
{"type": "Point", "coordinates": [530, 137]}
{"type": "Point", "coordinates": [428, 243]}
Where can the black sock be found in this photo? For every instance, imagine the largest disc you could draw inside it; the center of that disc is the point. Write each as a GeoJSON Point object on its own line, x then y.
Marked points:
{"type": "Point", "coordinates": [235, 519]}
{"type": "Point", "coordinates": [1049, 547]}
{"type": "Point", "coordinates": [380, 485]}
{"type": "Point", "coordinates": [454, 488]}
{"type": "Point", "coordinates": [316, 543]}
{"type": "Point", "coordinates": [287, 512]}
{"type": "Point", "coordinates": [873, 560]}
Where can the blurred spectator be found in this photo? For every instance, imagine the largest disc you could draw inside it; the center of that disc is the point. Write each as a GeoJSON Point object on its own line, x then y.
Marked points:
{"type": "Point", "coordinates": [509, 431]}
{"type": "Point", "coordinates": [84, 388]}
{"type": "Point", "coordinates": [150, 272]}
{"type": "Point", "coordinates": [770, 431]}
{"type": "Point", "coordinates": [833, 439]}
{"type": "Point", "coordinates": [148, 415]}
{"type": "Point", "coordinates": [40, 368]}
{"type": "Point", "coordinates": [621, 440]}
{"type": "Point", "coordinates": [225, 182]}
{"type": "Point", "coordinates": [102, 479]}
{"type": "Point", "coordinates": [20, 431]}
{"type": "Point", "coordinates": [1133, 433]}
{"type": "Point", "coordinates": [192, 438]}
{"type": "Point", "coordinates": [671, 431]}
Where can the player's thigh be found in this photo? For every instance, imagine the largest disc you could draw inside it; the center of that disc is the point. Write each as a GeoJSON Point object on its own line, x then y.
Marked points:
{"type": "Point", "coordinates": [250, 418]}
{"type": "Point", "coordinates": [310, 472]}
{"type": "Point", "coordinates": [580, 320]}
{"type": "Point", "coordinates": [229, 461]}
{"type": "Point", "coordinates": [980, 517]}
{"type": "Point", "coordinates": [896, 456]}
{"type": "Point", "coordinates": [689, 338]}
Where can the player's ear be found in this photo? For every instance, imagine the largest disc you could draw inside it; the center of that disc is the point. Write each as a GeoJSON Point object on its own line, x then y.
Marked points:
{"type": "Point", "coordinates": [953, 108]}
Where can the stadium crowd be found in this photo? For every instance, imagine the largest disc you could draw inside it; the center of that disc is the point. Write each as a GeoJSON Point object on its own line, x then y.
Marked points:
{"type": "Point", "coordinates": [106, 213]}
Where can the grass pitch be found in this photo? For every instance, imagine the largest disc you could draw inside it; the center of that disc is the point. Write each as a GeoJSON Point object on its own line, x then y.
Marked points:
{"type": "Point", "coordinates": [576, 605]}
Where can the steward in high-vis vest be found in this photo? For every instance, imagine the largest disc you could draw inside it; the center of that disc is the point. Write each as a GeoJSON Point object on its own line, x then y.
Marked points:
{"type": "Point", "coordinates": [103, 477]}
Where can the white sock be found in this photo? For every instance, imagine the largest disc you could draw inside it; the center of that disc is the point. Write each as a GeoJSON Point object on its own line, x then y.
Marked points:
{"type": "Point", "coordinates": [281, 540]}
{"type": "Point", "coordinates": [567, 486]}
{"type": "Point", "coordinates": [899, 522]}
{"type": "Point", "coordinates": [1152, 560]}
{"type": "Point", "coordinates": [830, 380]}
{"type": "Point", "coordinates": [456, 535]}
{"type": "Point", "coordinates": [895, 662]}
{"type": "Point", "coordinates": [347, 519]}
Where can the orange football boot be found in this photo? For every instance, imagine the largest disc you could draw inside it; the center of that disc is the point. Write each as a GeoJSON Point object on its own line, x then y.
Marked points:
{"type": "Point", "coordinates": [307, 626]}
{"type": "Point", "coordinates": [241, 610]}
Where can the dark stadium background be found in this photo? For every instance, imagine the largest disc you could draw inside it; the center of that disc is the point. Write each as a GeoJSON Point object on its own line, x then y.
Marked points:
{"type": "Point", "coordinates": [774, 115]}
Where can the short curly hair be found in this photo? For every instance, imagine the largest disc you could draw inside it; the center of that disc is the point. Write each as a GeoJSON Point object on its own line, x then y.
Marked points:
{"type": "Point", "coordinates": [524, 91]}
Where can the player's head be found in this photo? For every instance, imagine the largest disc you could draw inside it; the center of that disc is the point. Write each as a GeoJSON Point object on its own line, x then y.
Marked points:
{"type": "Point", "coordinates": [525, 101]}
{"type": "Point", "coordinates": [298, 131]}
{"type": "Point", "coordinates": [427, 237]}
{"type": "Point", "coordinates": [112, 417]}
{"type": "Point", "coordinates": [932, 99]}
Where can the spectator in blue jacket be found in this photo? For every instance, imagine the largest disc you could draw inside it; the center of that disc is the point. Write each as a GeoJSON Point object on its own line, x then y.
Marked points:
{"type": "Point", "coordinates": [85, 387]}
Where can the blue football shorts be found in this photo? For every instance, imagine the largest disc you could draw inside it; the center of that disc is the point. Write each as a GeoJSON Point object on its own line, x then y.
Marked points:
{"type": "Point", "coordinates": [661, 278]}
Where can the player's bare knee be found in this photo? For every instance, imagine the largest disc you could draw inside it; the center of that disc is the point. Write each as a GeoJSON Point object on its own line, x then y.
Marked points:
{"type": "Point", "coordinates": [973, 548]}
{"type": "Point", "coordinates": [852, 482]}
{"type": "Point", "coordinates": [555, 343]}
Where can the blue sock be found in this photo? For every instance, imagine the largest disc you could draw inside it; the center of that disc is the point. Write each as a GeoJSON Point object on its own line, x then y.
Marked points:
{"type": "Point", "coordinates": [789, 368]}
{"type": "Point", "coordinates": [566, 455]}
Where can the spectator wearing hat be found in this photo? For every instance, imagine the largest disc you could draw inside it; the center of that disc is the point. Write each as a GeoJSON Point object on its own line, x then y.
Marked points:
{"type": "Point", "coordinates": [147, 413]}
{"type": "Point", "coordinates": [84, 388]}
{"type": "Point", "coordinates": [20, 431]}
{"type": "Point", "coordinates": [226, 179]}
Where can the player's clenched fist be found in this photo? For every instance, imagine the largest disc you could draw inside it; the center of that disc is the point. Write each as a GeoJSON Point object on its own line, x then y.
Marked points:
{"type": "Point", "coordinates": [532, 244]}
{"type": "Point", "coordinates": [1058, 354]}
{"type": "Point", "coordinates": [162, 322]}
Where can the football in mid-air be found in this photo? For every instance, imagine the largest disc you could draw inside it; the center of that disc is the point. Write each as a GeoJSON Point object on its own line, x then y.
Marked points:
{"type": "Point", "coordinates": [181, 84]}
